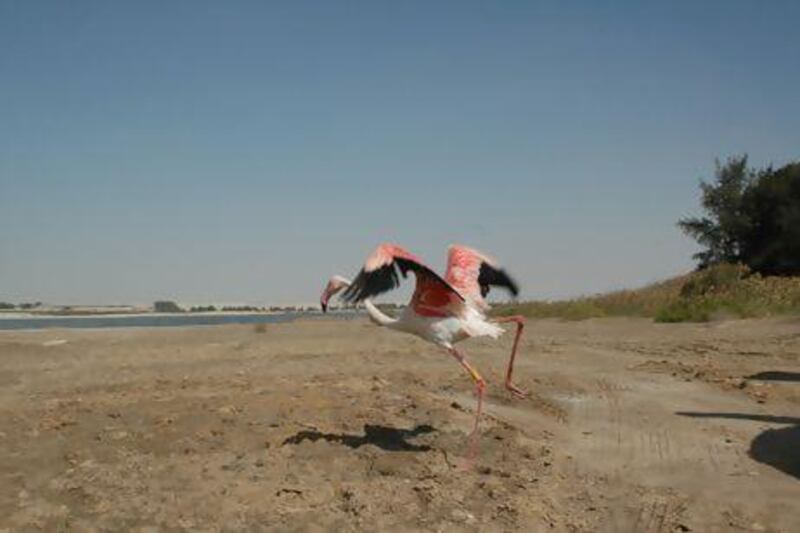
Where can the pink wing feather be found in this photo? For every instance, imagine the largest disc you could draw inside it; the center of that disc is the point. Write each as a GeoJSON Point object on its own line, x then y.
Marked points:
{"type": "Point", "coordinates": [472, 273]}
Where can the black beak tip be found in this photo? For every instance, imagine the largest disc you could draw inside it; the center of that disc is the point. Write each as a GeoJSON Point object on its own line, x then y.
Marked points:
{"type": "Point", "coordinates": [324, 307]}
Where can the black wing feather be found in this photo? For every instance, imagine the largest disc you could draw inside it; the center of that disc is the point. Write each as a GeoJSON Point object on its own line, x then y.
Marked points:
{"type": "Point", "coordinates": [490, 276]}
{"type": "Point", "coordinates": [369, 284]}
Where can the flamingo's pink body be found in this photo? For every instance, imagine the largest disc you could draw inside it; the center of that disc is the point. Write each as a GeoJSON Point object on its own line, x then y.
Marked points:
{"type": "Point", "coordinates": [443, 311]}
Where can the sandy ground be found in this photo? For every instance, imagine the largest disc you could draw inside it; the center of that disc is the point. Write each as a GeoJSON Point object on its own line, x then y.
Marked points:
{"type": "Point", "coordinates": [323, 425]}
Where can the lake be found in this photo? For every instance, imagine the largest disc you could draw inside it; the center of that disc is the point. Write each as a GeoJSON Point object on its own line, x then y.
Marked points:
{"type": "Point", "coordinates": [154, 320]}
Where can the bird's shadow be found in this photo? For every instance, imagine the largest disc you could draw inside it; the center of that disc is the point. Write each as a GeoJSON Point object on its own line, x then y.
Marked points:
{"type": "Point", "coordinates": [778, 448]}
{"type": "Point", "coordinates": [776, 375]}
{"type": "Point", "coordinates": [770, 419]}
{"type": "Point", "coordinates": [384, 437]}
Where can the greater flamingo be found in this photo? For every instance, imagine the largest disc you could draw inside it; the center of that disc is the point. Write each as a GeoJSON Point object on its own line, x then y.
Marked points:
{"type": "Point", "coordinates": [441, 311]}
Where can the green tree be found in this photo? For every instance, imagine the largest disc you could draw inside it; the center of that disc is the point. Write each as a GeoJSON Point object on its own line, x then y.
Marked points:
{"type": "Point", "coordinates": [721, 231]}
{"type": "Point", "coordinates": [772, 203]}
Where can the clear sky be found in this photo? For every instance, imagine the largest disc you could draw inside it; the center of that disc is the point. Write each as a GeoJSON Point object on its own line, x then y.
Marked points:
{"type": "Point", "coordinates": [245, 151]}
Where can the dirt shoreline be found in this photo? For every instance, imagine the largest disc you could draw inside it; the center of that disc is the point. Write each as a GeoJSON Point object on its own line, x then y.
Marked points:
{"type": "Point", "coordinates": [317, 425]}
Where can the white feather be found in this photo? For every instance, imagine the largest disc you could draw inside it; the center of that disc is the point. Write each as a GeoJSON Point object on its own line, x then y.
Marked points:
{"type": "Point", "coordinates": [449, 330]}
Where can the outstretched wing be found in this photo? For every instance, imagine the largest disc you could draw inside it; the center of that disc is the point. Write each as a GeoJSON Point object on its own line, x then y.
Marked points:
{"type": "Point", "coordinates": [380, 274]}
{"type": "Point", "coordinates": [473, 274]}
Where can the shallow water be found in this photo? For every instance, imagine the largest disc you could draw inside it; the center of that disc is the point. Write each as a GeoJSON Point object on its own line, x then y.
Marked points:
{"type": "Point", "coordinates": [155, 320]}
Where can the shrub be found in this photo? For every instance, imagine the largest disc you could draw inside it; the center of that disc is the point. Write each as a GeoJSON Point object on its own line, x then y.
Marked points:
{"type": "Point", "coordinates": [167, 306]}
{"type": "Point", "coordinates": [721, 290]}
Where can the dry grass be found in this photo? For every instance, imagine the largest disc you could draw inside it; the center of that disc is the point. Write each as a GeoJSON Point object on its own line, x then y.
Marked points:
{"type": "Point", "coordinates": [724, 290]}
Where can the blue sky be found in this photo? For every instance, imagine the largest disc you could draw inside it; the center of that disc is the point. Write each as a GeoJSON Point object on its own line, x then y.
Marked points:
{"type": "Point", "coordinates": [245, 151]}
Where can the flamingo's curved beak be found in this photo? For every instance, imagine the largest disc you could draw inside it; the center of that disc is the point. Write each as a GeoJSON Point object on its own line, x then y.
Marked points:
{"type": "Point", "coordinates": [335, 284]}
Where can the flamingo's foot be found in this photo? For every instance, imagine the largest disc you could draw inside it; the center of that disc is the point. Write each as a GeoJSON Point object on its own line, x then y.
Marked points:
{"type": "Point", "coordinates": [516, 391]}
{"type": "Point", "coordinates": [467, 464]}
{"type": "Point", "coordinates": [464, 465]}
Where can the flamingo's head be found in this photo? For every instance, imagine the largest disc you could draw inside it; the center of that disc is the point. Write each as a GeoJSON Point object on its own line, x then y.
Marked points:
{"type": "Point", "coordinates": [336, 284]}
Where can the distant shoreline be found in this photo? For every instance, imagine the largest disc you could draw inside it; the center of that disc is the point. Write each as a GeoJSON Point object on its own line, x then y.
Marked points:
{"type": "Point", "coordinates": [45, 315]}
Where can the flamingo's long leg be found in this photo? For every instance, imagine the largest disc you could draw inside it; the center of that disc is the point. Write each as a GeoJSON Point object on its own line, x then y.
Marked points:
{"type": "Point", "coordinates": [520, 321]}
{"type": "Point", "coordinates": [480, 386]}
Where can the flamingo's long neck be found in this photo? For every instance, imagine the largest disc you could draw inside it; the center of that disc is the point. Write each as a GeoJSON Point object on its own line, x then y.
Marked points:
{"type": "Point", "coordinates": [378, 316]}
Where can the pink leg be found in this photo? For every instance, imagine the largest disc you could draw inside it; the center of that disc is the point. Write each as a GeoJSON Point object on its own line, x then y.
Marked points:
{"type": "Point", "coordinates": [520, 321]}
{"type": "Point", "coordinates": [480, 386]}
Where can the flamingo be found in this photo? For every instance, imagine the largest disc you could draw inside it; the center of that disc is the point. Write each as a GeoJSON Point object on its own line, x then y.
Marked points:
{"type": "Point", "coordinates": [443, 311]}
